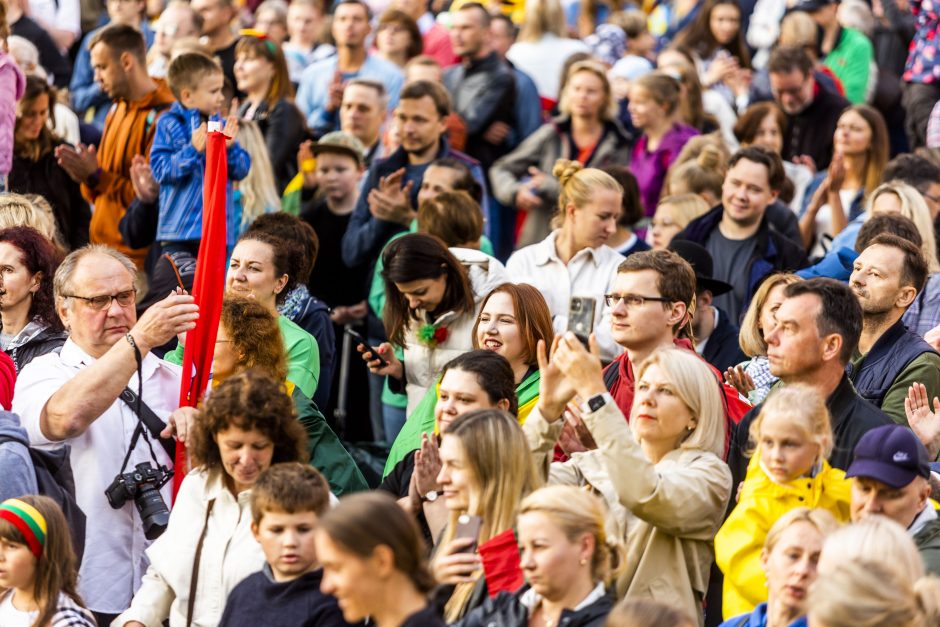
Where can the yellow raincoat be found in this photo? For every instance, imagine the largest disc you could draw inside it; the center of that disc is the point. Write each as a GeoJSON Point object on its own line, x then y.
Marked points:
{"type": "Point", "coordinates": [739, 542]}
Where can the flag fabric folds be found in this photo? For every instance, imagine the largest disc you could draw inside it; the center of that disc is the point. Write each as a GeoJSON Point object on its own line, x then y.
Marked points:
{"type": "Point", "coordinates": [208, 287]}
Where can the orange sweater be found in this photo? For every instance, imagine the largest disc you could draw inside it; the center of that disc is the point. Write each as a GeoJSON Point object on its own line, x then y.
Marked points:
{"type": "Point", "coordinates": [128, 131]}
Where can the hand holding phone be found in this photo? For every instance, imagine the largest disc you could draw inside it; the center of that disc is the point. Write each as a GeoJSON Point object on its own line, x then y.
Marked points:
{"type": "Point", "coordinates": [469, 527]}
{"type": "Point", "coordinates": [372, 354]}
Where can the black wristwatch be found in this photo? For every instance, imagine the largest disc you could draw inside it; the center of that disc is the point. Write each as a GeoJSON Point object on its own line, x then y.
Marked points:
{"type": "Point", "coordinates": [597, 401]}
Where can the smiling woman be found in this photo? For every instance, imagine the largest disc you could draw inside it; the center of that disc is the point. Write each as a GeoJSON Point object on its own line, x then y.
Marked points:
{"type": "Point", "coordinates": [35, 168]}
{"type": "Point", "coordinates": [248, 424]}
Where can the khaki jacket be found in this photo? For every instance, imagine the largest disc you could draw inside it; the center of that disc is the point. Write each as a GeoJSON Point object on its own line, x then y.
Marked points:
{"type": "Point", "coordinates": [667, 514]}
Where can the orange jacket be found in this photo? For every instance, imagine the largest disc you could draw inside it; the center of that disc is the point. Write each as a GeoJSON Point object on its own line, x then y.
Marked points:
{"type": "Point", "coordinates": [128, 131]}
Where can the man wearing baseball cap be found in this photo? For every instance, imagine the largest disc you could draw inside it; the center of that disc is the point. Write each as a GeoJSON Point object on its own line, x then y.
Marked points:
{"type": "Point", "coordinates": [890, 476]}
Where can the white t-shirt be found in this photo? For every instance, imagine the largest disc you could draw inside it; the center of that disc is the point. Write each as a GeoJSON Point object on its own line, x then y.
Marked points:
{"type": "Point", "coordinates": [824, 222]}
{"type": "Point", "coordinates": [12, 617]}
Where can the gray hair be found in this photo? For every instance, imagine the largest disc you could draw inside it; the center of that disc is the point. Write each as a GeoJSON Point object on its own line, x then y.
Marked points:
{"type": "Point", "coordinates": [62, 282]}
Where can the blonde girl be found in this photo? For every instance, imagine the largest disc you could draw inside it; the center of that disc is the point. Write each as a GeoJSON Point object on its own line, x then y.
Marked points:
{"type": "Point", "coordinates": [672, 215]}
{"type": "Point", "coordinates": [654, 103]}
{"type": "Point", "coordinates": [38, 569]}
{"type": "Point", "coordinates": [567, 559]}
{"type": "Point", "coordinates": [486, 469]}
{"type": "Point", "coordinates": [703, 176]}
{"type": "Point", "coordinates": [793, 437]}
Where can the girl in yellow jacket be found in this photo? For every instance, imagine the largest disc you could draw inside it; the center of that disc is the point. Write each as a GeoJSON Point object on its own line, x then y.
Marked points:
{"type": "Point", "coordinates": [793, 438]}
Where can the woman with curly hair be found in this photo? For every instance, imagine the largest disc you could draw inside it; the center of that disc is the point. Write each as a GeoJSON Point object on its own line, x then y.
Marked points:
{"type": "Point", "coordinates": [247, 424]}
{"type": "Point", "coordinates": [29, 325]}
{"type": "Point", "coordinates": [249, 338]}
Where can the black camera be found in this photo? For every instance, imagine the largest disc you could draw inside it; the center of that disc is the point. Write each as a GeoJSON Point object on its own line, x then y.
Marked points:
{"type": "Point", "coordinates": [143, 485]}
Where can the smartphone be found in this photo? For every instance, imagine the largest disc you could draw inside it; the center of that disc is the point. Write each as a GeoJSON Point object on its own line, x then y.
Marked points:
{"type": "Point", "coordinates": [469, 527]}
{"type": "Point", "coordinates": [581, 317]}
{"type": "Point", "coordinates": [361, 340]}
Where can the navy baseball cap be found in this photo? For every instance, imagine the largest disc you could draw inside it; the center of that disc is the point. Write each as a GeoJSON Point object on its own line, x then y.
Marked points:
{"type": "Point", "coordinates": [891, 454]}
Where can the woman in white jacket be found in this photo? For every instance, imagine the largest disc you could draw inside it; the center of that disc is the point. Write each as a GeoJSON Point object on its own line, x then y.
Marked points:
{"type": "Point", "coordinates": [433, 296]}
{"type": "Point", "coordinates": [247, 424]}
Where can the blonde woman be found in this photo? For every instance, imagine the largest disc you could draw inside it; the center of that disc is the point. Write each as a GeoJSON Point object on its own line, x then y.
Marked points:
{"type": "Point", "coordinates": [257, 191]}
{"type": "Point", "coordinates": [877, 538]}
{"type": "Point", "coordinates": [662, 474]}
{"type": "Point", "coordinates": [486, 470]}
{"type": "Point", "coordinates": [19, 210]}
{"type": "Point", "coordinates": [543, 46]}
{"type": "Point", "coordinates": [788, 561]}
{"type": "Point", "coordinates": [753, 378]}
{"type": "Point", "coordinates": [567, 559]}
{"type": "Point", "coordinates": [702, 176]}
{"type": "Point", "coordinates": [574, 260]}
{"type": "Point", "coordinates": [673, 213]}
{"type": "Point", "coordinates": [585, 131]}
{"type": "Point", "coordinates": [895, 197]}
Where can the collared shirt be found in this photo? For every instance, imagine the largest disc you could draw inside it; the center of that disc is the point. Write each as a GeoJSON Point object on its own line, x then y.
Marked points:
{"type": "Point", "coordinates": [532, 599]}
{"type": "Point", "coordinates": [589, 273]}
{"type": "Point", "coordinates": [114, 560]}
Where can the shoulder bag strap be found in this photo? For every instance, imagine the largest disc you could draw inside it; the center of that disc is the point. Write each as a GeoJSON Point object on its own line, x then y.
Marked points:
{"type": "Point", "coordinates": [151, 421]}
{"type": "Point", "coordinates": [194, 579]}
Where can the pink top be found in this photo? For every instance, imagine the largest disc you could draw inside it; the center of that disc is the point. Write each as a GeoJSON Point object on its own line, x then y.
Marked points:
{"type": "Point", "coordinates": [12, 84]}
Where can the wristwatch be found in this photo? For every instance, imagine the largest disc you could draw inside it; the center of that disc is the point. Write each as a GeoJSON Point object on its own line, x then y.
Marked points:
{"type": "Point", "coordinates": [594, 403]}
{"type": "Point", "coordinates": [430, 497]}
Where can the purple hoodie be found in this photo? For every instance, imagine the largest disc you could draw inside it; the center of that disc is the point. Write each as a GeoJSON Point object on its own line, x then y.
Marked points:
{"type": "Point", "coordinates": [650, 168]}
{"type": "Point", "coordinates": [12, 84]}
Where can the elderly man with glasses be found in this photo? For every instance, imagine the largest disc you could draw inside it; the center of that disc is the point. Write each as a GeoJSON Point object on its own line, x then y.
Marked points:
{"type": "Point", "coordinates": [79, 397]}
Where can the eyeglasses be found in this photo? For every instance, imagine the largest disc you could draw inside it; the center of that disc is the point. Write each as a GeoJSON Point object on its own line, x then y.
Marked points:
{"type": "Point", "coordinates": [124, 299]}
{"type": "Point", "coordinates": [632, 301]}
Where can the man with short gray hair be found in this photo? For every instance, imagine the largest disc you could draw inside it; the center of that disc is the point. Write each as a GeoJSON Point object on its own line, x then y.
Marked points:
{"type": "Point", "coordinates": [78, 397]}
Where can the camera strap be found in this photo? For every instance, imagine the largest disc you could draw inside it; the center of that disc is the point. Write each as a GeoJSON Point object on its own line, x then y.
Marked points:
{"type": "Point", "coordinates": [150, 419]}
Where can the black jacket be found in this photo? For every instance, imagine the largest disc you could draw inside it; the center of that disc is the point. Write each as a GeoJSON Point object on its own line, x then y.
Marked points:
{"type": "Point", "coordinates": [810, 131]}
{"type": "Point", "coordinates": [852, 417]}
{"type": "Point", "coordinates": [774, 252]}
{"type": "Point", "coordinates": [505, 610]}
{"type": "Point", "coordinates": [483, 92]}
{"type": "Point", "coordinates": [47, 178]}
{"type": "Point", "coordinates": [722, 349]}
{"type": "Point", "coordinates": [46, 341]}
{"type": "Point", "coordinates": [284, 129]}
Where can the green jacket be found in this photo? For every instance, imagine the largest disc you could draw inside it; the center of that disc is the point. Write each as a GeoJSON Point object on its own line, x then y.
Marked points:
{"type": "Point", "coordinates": [928, 543]}
{"type": "Point", "coordinates": [851, 61]}
{"type": "Point", "coordinates": [327, 454]}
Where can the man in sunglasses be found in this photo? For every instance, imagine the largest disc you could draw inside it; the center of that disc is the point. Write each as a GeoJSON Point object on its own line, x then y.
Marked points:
{"type": "Point", "coordinates": [76, 397]}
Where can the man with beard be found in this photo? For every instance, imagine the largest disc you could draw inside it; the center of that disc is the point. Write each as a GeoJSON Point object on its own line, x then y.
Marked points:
{"type": "Point", "coordinates": [886, 278]}
{"type": "Point", "coordinates": [737, 233]}
{"type": "Point", "coordinates": [812, 111]}
{"type": "Point", "coordinates": [389, 199]}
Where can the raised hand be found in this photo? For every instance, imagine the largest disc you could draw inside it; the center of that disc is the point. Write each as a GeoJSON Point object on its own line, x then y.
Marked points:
{"type": "Point", "coordinates": [175, 314]}
{"type": "Point", "coordinates": [427, 465]}
{"type": "Point", "coordinates": [924, 423]}
{"type": "Point", "coordinates": [452, 565]}
{"type": "Point", "coordinates": [740, 380]}
{"type": "Point", "coordinates": [554, 389]}
{"type": "Point", "coordinates": [145, 186]}
{"type": "Point", "coordinates": [79, 162]}
{"type": "Point", "coordinates": [393, 367]}
{"type": "Point", "coordinates": [199, 137]}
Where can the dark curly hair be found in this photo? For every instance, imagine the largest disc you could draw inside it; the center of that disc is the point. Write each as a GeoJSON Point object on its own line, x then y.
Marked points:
{"type": "Point", "coordinates": [286, 256]}
{"type": "Point", "coordinates": [38, 255]}
{"type": "Point", "coordinates": [255, 335]}
{"type": "Point", "coordinates": [295, 231]}
{"type": "Point", "coordinates": [251, 400]}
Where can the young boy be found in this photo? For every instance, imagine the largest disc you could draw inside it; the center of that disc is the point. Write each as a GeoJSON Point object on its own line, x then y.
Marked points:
{"type": "Point", "coordinates": [178, 159]}
{"type": "Point", "coordinates": [286, 504]}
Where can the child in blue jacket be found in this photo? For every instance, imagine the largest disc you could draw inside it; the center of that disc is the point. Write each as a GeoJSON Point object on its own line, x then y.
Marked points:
{"type": "Point", "coordinates": [178, 159]}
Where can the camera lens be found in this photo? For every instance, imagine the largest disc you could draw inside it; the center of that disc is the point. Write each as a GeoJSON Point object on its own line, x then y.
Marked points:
{"type": "Point", "coordinates": [153, 511]}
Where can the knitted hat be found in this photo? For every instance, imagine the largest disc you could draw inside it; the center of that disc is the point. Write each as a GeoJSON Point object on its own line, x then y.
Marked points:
{"type": "Point", "coordinates": [28, 521]}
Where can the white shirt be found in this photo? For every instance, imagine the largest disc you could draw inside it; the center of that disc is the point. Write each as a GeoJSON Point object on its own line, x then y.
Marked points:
{"type": "Point", "coordinates": [543, 60]}
{"type": "Point", "coordinates": [12, 617]}
{"type": "Point", "coordinates": [229, 554]}
{"type": "Point", "coordinates": [589, 273]}
{"type": "Point", "coordinates": [114, 560]}
{"type": "Point", "coordinates": [823, 237]}
{"type": "Point", "coordinates": [61, 14]}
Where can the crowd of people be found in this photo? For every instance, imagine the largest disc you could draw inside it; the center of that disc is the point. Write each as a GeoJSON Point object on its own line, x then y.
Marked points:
{"type": "Point", "coordinates": [535, 313]}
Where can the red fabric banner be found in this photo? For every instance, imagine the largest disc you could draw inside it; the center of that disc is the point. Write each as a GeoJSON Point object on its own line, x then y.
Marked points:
{"type": "Point", "coordinates": [208, 288]}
